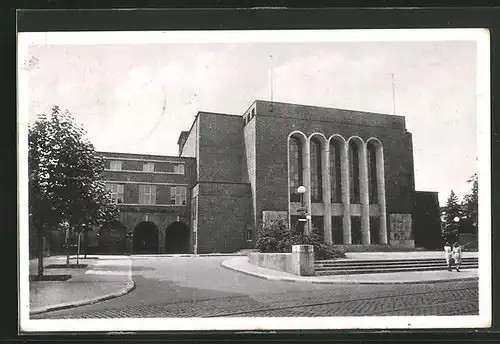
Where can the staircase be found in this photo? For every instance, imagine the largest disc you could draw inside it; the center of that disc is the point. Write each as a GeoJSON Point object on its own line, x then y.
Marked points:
{"type": "Point", "coordinates": [360, 266]}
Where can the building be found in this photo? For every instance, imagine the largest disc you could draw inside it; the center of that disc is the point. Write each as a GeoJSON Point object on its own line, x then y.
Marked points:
{"type": "Point", "coordinates": [235, 172]}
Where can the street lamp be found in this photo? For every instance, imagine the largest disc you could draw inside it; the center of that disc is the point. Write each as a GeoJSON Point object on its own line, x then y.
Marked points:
{"type": "Point", "coordinates": [301, 190]}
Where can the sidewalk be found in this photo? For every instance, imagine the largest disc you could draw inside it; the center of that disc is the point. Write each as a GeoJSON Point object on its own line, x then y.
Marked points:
{"type": "Point", "coordinates": [241, 264]}
{"type": "Point", "coordinates": [402, 255]}
{"type": "Point", "coordinates": [102, 279]}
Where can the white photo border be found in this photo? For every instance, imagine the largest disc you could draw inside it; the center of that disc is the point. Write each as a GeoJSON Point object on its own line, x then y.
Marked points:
{"type": "Point", "coordinates": [483, 320]}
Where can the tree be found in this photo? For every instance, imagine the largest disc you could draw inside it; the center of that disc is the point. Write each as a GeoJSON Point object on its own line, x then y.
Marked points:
{"type": "Point", "coordinates": [470, 203]}
{"type": "Point", "coordinates": [65, 176]}
{"type": "Point", "coordinates": [452, 215]}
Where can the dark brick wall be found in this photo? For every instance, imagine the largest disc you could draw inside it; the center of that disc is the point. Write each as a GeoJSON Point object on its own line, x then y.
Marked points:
{"type": "Point", "coordinates": [147, 177]}
{"type": "Point", "coordinates": [426, 220]}
{"type": "Point", "coordinates": [131, 216]}
{"type": "Point", "coordinates": [223, 214]}
{"type": "Point", "coordinates": [221, 148]}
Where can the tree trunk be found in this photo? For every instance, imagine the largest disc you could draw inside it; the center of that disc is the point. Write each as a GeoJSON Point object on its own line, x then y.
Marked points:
{"type": "Point", "coordinates": [78, 249]}
{"type": "Point", "coordinates": [67, 246]}
{"type": "Point", "coordinates": [40, 252]}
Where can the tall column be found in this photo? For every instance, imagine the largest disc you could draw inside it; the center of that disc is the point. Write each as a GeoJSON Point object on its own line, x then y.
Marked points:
{"type": "Point", "coordinates": [346, 223]}
{"type": "Point", "coordinates": [327, 195]}
{"type": "Point", "coordinates": [307, 183]}
{"type": "Point", "coordinates": [381, 194]}
{"type": "Point", "coordinates": [364, 198]}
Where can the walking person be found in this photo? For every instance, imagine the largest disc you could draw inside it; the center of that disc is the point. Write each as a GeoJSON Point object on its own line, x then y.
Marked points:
{"type": "Point", "coordinates": [457, 255]}
{"type": "Point", "coordinates": [447, 254]}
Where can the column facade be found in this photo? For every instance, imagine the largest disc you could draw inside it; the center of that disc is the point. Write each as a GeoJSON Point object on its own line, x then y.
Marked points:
{"type": "Point", "coordinates": [307, 183]}
{"type": "Point", "coordinates": [327, 194]}
{"type": "Point", "coordinates": [364, 196]}
{"type": "Point", "coordinates": [346, 221]}
{"type": "Point", "coordinates": [381, 194]}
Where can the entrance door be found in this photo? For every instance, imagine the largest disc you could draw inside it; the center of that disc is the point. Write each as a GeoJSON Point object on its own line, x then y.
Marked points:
{"type": "Point", "coordinates": [146, 238]}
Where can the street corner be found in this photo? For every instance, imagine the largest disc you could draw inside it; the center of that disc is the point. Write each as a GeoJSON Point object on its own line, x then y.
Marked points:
{"type": "Point", "coordinates": [106, 291]}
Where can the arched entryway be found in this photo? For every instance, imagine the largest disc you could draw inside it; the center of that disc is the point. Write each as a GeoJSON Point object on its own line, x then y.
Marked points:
{"type": "Point", "coordinates": [112, 238]}
{"type": "Point", "coordinates": [177, 238]}
{"type": "Point", "coordinates": [146, 238]}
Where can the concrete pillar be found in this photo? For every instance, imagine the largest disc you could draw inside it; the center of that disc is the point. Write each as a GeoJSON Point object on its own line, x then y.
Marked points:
{"type": "Point", "coordinates": [327, 198]}
{"type": "Point", "coordinates": [303, 260]}
{"type": "Point", "coordinates": [346, 222]}
{"type": "Point", "coordinates": [364, 197]}
{"type": "Point", "coordinates": [307, 183]}
{"type": "Point", "coordinates": [161, 238]}
{"type": "Point", "coordinates": [381, 194]}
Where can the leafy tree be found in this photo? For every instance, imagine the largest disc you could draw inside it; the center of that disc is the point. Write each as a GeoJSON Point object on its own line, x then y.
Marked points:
{"type": "Point", "coordinates": [470, 203]}
{"type": "Point", "coordinates": [65, 176]}
{"type": "Point", "coordinates": [452, 211]}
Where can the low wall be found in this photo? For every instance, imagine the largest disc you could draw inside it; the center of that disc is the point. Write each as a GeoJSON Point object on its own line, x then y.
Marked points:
{"type": "Point", "coordinates": [274, 261]}
{"type": "Point", "coordinates": [299, 262]}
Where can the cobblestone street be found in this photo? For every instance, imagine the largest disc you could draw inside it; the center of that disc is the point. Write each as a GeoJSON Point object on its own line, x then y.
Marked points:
{"type": "Point", "coordinates": [200, 287]}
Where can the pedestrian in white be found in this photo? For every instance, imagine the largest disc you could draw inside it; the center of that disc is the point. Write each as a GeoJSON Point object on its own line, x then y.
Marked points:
{"type": "Point", "coordinates": [447, 254]}
{"type": "Point", "coordinates": [457, 255]}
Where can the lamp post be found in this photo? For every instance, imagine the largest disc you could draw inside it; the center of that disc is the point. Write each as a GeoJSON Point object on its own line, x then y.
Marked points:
{"type": "Point", "coordinates": [301, 190]}
{"type": "Point", "coordinates": [456, 219]}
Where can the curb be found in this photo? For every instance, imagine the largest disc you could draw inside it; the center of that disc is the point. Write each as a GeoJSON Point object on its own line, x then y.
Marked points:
{"type": "Point", "coordinates": [129, 286]}
{"type": "Point", "coordinates": [191, 255]}
{"type": "Point", "coordinates": [127, 289]}
{"type": "Point", "coordinates": [312, 281]}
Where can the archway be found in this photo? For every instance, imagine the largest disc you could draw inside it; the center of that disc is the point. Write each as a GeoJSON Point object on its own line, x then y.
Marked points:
{"type": "Point", "coordinates": [177, 238]}
{"type": "Point", "coordinates": [146, 238]}
{"type": "Point", "coordinates": [112, 238]}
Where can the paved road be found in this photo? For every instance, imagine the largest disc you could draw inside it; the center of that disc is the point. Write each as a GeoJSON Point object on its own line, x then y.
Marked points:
{"type": "Point", "coordinates": [200, 287]}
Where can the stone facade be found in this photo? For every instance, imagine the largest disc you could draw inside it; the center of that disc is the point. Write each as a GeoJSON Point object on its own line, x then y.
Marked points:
{"type": "Point", "coordinates": [237, 173]}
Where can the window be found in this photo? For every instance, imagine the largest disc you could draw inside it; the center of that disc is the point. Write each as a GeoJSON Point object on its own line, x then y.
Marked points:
{"type": "Point", "coordinates": [372, 173]}
{"type": "Point", "coordinates": [335, 172]}
{"type": "Point", "coordinates": [295, 163]}
{"type": "Point", "coordinates": [316, 177]}
{"type": "Point", "coordinates": [116, 192]}
{"type": "Point", "coordinates": [115, 165]}
{"type": "Point", "coordinates": [179, 169]}
{"type": "Point", "coordinates": [147, 194]}
{"type": "Point", "coordinates": [148, 167]}
{"type": "Point", "coordinates": [178, 195]}
{"type": "Point", "coordinates": [249, 234]}
{"type": "Point", "coordinates": [354, 172]}
{"type": "Point", "coordinates": [253, 113]}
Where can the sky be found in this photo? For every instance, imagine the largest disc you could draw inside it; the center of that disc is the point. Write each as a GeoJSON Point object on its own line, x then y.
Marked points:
{"type": "Point", "coordinates": [117, 91]}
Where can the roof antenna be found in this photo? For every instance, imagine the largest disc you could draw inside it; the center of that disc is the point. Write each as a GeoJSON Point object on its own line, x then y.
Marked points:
{"type": "Point", "coordinates": [272, 79]}
{"type": "Point", "coordinates": [393, 95]}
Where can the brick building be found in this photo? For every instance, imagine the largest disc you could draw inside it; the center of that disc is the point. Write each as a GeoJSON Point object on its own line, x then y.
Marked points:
{"type": "Point", "coordinates": [234, 172]}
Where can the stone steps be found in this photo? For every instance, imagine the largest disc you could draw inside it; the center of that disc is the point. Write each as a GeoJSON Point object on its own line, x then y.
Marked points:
{"type": "Point", "coordinates": [343, 267]}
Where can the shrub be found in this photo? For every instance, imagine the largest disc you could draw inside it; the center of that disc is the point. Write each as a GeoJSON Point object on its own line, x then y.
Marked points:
{"type": "Point", "coordinates": [275, 238]}
{"type": "Point", "coordinates": [270, 238]}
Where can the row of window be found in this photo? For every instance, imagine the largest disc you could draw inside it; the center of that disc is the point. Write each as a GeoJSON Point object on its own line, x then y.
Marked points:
{"type": "Point", "coordinates": [296, 171]}
{"type": "Point", "coordinates": [116, 165]}
{"type": "Point", "coordinates": [147, 194]}
{"type": "Point", "coordinates": [248, 117]}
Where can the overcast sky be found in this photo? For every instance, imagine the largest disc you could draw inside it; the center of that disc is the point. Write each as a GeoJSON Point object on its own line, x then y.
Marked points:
{"type": "Point", "coordinates": [117, 92]}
